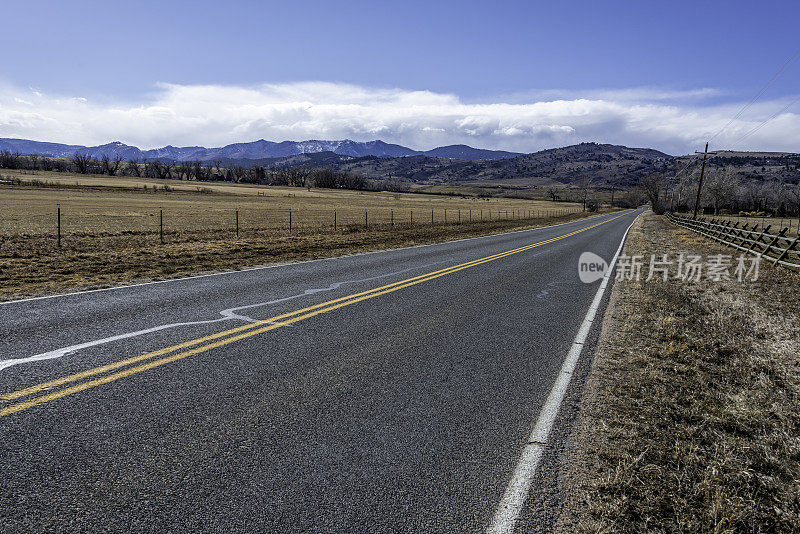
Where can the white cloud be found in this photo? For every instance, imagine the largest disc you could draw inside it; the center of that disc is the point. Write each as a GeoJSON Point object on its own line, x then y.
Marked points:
{"type": "Point", "coordinates": [215, 115]}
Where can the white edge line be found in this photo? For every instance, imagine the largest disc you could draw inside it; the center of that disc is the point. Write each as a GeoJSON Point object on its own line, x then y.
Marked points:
{"type": "Point", "coordinates": [29, 299]}
{"type": "Point", "coordinates": [519, 486]}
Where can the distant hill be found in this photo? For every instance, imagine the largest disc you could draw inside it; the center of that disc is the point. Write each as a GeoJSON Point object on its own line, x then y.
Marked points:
{"type": "Point", "coordinates": [587, 164]}
{"type": "Point", "coordinates": [590, 164]}
{"type": "Point", "coordinates": [597, 165]}
{"type": "Point", "coordinates": [256, 150]}
{"type": "Point", "coordinates": [467, 152]}
{"type": "Point", "coordinates": [780, 167]}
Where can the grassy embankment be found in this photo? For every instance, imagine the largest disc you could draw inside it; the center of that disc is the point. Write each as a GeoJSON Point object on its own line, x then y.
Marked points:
{"type": "Point", "coordinates": [110, 227]}
{"type": "Point", "coordinates": [690, 419]}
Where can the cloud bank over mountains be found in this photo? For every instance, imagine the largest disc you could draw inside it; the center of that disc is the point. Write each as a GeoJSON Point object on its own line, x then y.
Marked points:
{"type": "Point", "coordinates": [676, 122]}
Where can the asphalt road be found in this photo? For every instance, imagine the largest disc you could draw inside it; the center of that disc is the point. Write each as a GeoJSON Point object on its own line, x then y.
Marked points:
{"type": "Point", "coordinates": [402, 409]}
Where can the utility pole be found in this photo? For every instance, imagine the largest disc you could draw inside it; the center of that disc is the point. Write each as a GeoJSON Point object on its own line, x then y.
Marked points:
{"type": "Point", "coordinates": [675, 188]}
{"type": "Point", "coordinates": [700, 185]}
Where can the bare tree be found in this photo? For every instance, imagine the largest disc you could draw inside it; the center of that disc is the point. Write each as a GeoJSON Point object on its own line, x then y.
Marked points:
{"type": "Point", "coordinates": [583, 195]}
{"type": "Point", "coordinates": [719, 189]}
{"type": "Point", "coordinates": [352, 180]}
{"type": "Point", "coordinates": [110, 166]}
{"type": "Point", "coordinates": [82, 163]}
{"type": "Point", "coordinates": [132, 168]}
{"type": "Point", "coordinates": [258, 174]}
{"type": "Point", "coordinates": [153, 169]}
{"type": "Point", "coordinates": [325, 178]}
{"type": "Point", "coordinates": [202, 173]}
{"type": "Point", "coordinates": [653, 184]}
{"type": "Point", "coordinates": [552, 192]}
{"type": "Point", "coordinates": [793, 198]}
{"type": "Point", "coordinates": [184, 170]}
{"type": "Point", "coordinates": [297, 176]}
{"type": "Point", "coordinates": [9, 160]}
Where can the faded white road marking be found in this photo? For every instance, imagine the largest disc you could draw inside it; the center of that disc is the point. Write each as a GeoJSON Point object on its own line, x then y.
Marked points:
{"type": "Point", "coordinates": [227, 315]}
{"type": "Point", "coordinates": [551, 286]}
{"type": "Point", "coordinates": [520, 484]}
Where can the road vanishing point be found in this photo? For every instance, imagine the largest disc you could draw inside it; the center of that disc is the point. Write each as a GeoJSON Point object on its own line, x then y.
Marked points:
{"type": "Point", "coordinates": [424, 389]}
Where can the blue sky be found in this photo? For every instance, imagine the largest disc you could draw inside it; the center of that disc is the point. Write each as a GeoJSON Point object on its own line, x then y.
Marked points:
{"type": "Point", "coordinates": [516, 75]}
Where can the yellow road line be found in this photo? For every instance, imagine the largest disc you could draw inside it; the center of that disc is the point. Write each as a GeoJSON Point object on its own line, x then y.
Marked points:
{"type": "Point", "coordinates": [122, 363]}
{"type": "Point", "coordinates": [116, 365]}
{"type": "Point", "coordinates": [136, 359]}
{"type": "Point", "coordinates": [246, 331]}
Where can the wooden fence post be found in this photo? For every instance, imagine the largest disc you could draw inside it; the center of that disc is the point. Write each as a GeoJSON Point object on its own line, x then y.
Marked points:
{"type": "Point", "coordinates": [59, 225]}
{"type": "Point", "coordinates": [774, 240]}
{"type": "Point", "coordinates": [758, 240]}
{"type": "Point", "coordinates": [786, 250]}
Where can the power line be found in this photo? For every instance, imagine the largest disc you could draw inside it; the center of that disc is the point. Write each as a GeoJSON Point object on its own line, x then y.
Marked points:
{"type": "Point", "coordinates": [769, 84]}
{"type": "Point", "coordinates": [758, 127]}
{"type": "Point", "coordinates": [687, 166]}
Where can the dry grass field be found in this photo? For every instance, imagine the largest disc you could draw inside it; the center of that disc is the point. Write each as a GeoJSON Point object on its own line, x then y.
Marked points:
{"type": "Point", "coordinates": [111, 205]}
{"type": "Point", "coordinates": [689, 422]}
{"type": "Point", "coordinates": [110, 227]}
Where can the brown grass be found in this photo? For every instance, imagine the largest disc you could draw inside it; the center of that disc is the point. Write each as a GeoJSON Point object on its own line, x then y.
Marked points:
{"type": "Point", "coordinates": [690, 422]}
{"type": "Point", "coordinates": [104, 205]}
{"type": "Point", "coordinates": [110, 235]}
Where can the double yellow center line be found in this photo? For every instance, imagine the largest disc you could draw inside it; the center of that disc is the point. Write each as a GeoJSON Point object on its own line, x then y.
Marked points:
{"type": "Point", "coordinates": [176, 352]}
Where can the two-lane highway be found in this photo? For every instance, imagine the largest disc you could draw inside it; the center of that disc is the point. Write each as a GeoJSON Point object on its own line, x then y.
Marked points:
{"type": "Point", "coordinates": [391, 391]}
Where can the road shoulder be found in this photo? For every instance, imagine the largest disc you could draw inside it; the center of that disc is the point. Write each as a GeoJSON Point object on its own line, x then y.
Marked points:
{"type": "Point", "coordinates": [688, 420]}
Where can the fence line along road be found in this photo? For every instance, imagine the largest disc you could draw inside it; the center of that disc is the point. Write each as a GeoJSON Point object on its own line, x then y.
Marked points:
{"type": "Point", "coordinates": [776, 247]}
{"type": "Point", "coordinates": [163, 221]}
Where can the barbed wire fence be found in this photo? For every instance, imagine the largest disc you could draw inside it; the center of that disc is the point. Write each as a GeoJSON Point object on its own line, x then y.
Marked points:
{"type": "Point", "coordinates": [235, 222]}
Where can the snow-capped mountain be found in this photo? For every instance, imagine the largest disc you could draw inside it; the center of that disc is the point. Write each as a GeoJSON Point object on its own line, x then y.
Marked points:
{"type": "Point", "coordinates": [260, 149]}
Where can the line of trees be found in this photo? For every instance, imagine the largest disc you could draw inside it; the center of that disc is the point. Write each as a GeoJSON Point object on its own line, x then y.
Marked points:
{"type": "Point", "coordinates": [724, 193]}
{"type": "Point", "coordinates": [590, 196]}
{"type": "Point", "coordinates": [200, 171]}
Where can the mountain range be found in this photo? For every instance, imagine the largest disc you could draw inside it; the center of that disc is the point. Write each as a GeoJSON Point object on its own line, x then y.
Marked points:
{"type": "Point", "coordinates": [256, 150]}
{"type": "Point", "coordinates": [594, 165]}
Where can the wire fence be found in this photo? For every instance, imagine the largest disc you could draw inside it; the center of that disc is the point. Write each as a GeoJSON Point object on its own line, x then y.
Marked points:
{"type": "Point", "coordinates": [235, 222]}
{"type": "Point", "coordinates": [770, 244]}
